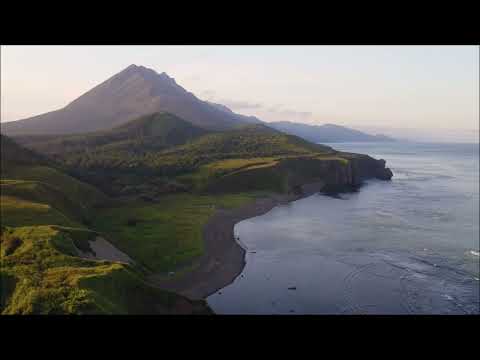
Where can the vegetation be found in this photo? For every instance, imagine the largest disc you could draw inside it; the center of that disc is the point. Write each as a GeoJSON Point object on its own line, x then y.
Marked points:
{"type": "Point", "coordinates": [76, 191]}
{"type": "Point", "coordinates": [44, 219]}
{"type": "Point", "coordinates": [147, 133]}
{"type": "Point", "coordinates": [17, 212]}
{"type": "Point", "coordinates": [38, 203]}
{"type": "Point", "coordinates": [167, 234]}
{"type": "Point", "coordinates": [166, 178]}
{"type": "Point", "coordinates": [11, 154]}
{"type": "Point", "coordinates": [133, 163]}
{"type": "Point", "coordinates": [42, 276]}
{"type": "Point", "coordinates": [33, 179]}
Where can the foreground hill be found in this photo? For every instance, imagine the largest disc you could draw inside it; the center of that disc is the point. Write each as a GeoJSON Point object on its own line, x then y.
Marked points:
{"type": "Point", "coordinates": [326, 133]}
{"type": "Point", "coordinates": [42, 274]}
{"type": "Point", "coordinates": [45, 220]}
{"type": "Point", "coordinates": [133, 92]}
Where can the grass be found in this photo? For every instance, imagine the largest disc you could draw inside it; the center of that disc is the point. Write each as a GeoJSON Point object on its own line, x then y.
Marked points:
{"type": "Point", "coordinates": [18, 212]}
{"type": "Point", "coordinates": [275, 174]}
{"type": "Point", "coordinates": [84, 195]}
{"type": "Point", "coordinates": [42, 225]}
{"type": "Point", "coordinates": [167, 234]}
{"type": "Point", "coordinates": [206, 174]}
{"type": "Point", "coordinates": [42, 193]}
{"type": "Point", "coordinates": [64, 199]}
{"type": "Point", "coordinates": [40, 276]}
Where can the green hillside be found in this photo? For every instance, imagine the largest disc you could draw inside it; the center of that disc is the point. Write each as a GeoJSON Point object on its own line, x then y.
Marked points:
{"type": "Point", "coordinates": [150, 164]}
{"type": "Point", "coordinates": [165, 144]}
{"type": "Point", "coordinates": [12, 155]}
{"type": "Point", "coordinates": [40, 274]}
{"type": "Point", "coordinates": [45, 217]}
{"type": "Point", "coordinates": [30, 179]}
{"type": "Point", "coordinates": [147, 133]}
{"type": "Point", "coordinates": [54, 187]}
{"type": "Point", "coordinates": [249, 141]}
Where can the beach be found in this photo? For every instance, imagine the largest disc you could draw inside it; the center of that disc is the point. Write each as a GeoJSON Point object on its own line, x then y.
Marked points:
{"type": "Point", "coordinates": [224, 258]}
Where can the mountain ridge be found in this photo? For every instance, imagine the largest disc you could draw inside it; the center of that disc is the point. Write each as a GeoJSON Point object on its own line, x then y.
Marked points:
{"type": "Point", "coordinates": [326, 132]}
{"type": "Point", "coordinates": [154, 131]}
{"type": "Point", "coordinates": [133, 92]}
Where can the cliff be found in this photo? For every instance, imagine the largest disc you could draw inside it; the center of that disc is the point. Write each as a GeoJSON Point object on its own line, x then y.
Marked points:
{"type": "Point", "coordinates": [350, 175]}
{"type": "Point", "coordinates": [342, 172]}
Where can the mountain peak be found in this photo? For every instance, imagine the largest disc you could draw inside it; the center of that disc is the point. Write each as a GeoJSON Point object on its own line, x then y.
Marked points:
{"type": "Point", "coordinates": [160, 79]}
{"type": "Point", "coordinates": [132, 92]}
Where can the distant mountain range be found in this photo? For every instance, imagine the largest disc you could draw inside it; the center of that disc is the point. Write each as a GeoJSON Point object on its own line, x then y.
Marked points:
{"type": "Point", "coordinates": [326, 133]}
{"type": "Point", "coordinates": [133, 92]}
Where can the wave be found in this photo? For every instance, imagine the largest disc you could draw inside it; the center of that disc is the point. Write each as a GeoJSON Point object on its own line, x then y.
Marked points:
{"type": "Point", "coordinates": [475, 253]}
{"type": "Point", "coordinates": [384, 214]}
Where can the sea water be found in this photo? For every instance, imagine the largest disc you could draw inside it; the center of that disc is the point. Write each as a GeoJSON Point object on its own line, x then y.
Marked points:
{"type": "Point", "coordinates": [409, 246]}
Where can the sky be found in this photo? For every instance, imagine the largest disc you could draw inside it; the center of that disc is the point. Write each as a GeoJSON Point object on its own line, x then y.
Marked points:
{"type": "Point", "coordinates": [416, 89]}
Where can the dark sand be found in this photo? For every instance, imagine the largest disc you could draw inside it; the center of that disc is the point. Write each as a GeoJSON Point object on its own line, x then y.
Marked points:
{"type": "Point", "coordinates": [223, 259]}
{"type": "Point", "coordinates": [105, 251]}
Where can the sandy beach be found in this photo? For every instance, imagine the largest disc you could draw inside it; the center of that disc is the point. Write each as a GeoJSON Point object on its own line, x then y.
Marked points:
{"type": "Point", "coordinates": [223, 259]}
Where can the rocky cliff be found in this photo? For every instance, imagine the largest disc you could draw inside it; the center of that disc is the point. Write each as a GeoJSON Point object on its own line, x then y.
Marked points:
{"type": "Point", "coordinates": [345, 172]}
{"type": "Point", "coordinates": [349, 175]}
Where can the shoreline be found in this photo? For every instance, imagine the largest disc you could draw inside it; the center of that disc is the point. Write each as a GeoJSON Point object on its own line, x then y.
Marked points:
{"type": "Point", "coordinates": [224, 257]}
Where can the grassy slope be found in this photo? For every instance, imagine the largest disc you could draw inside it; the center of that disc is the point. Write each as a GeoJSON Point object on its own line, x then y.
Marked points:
{"type": "Point", "coordinates": [82, 194]}
{"type": "Point", "coordinates": [28, 177]}
{"type": "Point", "coordinates": [18, 212]}
{"type": "Point", "coordinates": [209, 173]}
{"type": "Point", "coordinates": [153, 132]}
{"type": "Point", "coordinates": [39, 270]}
{"type": "Point", "coordinates": [196, 165]}
{"type": "Point", "coordinates": [257, 174]}
{"type": "Point", "coordinates": [11, 154]}
{"type": "Point", "coordinates": [58, 203]}
{"type": "Point", "coordinates": [39, 275]}
{"type": "Point", "coordinates": [166, 234]}
{"type": "Point", "coordinates": [140, 157]}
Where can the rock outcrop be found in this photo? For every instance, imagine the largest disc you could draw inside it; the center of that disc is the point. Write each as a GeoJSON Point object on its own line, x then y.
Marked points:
{"type": "Point", "coordinates": [351, 175]}
{"type": "Point", "coordinates": [339, 172]}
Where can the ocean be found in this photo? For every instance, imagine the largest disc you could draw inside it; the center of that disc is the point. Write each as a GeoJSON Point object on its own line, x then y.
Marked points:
{"type": "Point", "coordinates": [409, 246]}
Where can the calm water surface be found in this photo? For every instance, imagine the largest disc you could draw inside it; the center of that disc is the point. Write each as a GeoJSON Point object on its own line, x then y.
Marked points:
{"type": "Point", "coordinates": [400, 247]}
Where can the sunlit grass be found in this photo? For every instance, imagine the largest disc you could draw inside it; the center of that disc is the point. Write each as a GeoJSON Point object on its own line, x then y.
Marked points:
{"type": "Point", "coordinates": [166, 234]}
{"type": "Point", "coordinates": [41, 276]}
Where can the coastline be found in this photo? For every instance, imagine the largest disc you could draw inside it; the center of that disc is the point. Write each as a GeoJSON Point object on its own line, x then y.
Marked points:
{"type": "Point", "coordinates": [224, 258]}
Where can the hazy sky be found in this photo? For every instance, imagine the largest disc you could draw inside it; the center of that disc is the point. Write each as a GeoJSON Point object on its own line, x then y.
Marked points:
{"type": "Point", "coordinates": [419, 87]}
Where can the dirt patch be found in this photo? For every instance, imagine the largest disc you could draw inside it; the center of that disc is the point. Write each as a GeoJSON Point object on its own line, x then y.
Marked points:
{"type": "Point", "coordinates": [103, 250]}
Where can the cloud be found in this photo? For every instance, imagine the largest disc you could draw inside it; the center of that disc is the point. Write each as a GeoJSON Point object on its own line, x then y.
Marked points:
{"type": "Point", "coordinates": [273, 112]}
{"type": "Point", "coordinates": [240, 104]}
{"type": "Point", "coordinates": [289, 114]}
{"type": "Point", "coordinates": [208, 94]}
